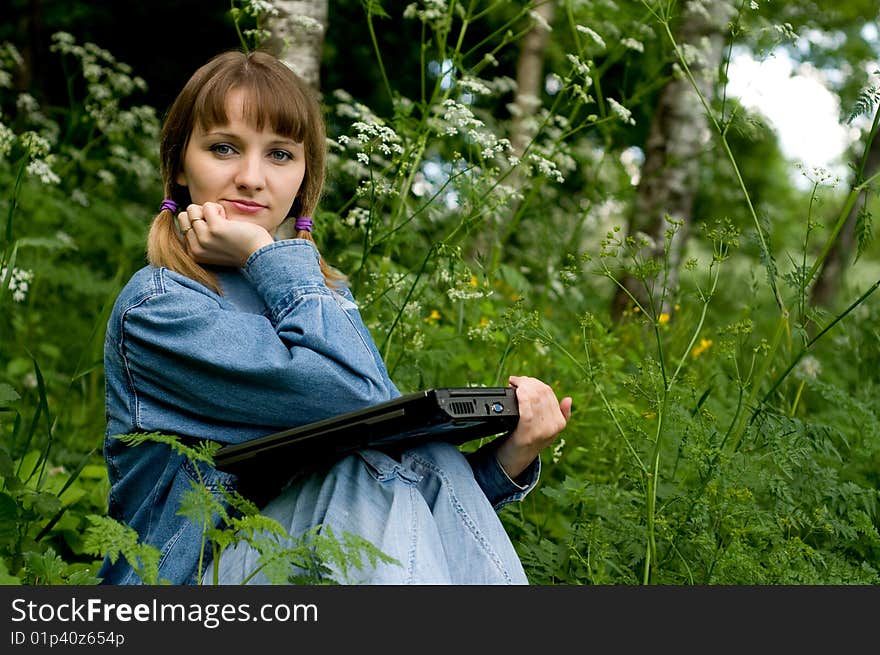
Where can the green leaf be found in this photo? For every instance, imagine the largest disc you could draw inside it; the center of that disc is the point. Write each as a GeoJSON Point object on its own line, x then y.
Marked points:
{"type": "Point", "coordinates": [8, 396]}
{"type": "Point", "coordinates": [8, 520]}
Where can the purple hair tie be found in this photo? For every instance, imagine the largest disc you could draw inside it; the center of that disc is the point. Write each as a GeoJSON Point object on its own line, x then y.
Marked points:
{"type": "Point", "coordinates": [168, 204]}
{"type": "Point", "coordinates": [303, 223]}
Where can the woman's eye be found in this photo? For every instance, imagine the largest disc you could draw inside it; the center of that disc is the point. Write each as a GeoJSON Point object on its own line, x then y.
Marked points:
{"type": "Point", "coordinates": [281, 155]}
{"type": "Point", "coordinates": [222, 149]}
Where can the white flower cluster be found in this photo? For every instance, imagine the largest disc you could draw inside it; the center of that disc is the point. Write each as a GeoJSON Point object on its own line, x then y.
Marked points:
{"type": "Point", "coordinates": [545, 167]}
{"type": "Point", "coordinates": [467, 293]}
{"type": "Point", "coordinates": [307, 24]}
{"type": "Point", "coordinates": [458, 117]}
{"type": "Point", "coordinates": [540, 21]}
{"type": "Point", "coordinates": [35, 145]}
{"type": "Point", "coordinates": [557, 450]}
{"type": "Point", "coordinates": [42, 169]}
{"type": "Point", "coordinates": [376, 187]}
{"type": "Point", "coordinates": [7, 138]}
{"type": "Point", "coordinates": [580, 66]}
{"type": "Point", "coordinates": [431, 10]}
{"type": "Point", "coordinates": [632, 44]}
{"type": "Point", "coordinates": [259, 8]}
{"type": "Point", "coordinates": [19, 282]}
{"type": "Point", "coordinates": [474, 85]}
{"type": "Point", "coordinates": [818, 175]}
{"type": "Point", "coordinates": [374, 136]}
{"type": "Point", "coordinates": [622, 112]}
{"type": "Point", "coordinates": [598, 40]}
{"type": "Point", "coordinates": [808, 367]}
{"type": "Point", "coordinates": [483, 331]}
{"type": "Point", "coordinates": [10, 57]}
{"type": "Point", "coordinates": [357, 217]}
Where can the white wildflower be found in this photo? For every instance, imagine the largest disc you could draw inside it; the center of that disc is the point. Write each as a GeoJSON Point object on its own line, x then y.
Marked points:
{"type": "Point", "coordinates": [580, 66]}
{"type": "Point", "coordinates": [583, 29]}
{"type": "Point", "coordinates": [458, 117]}
{"type": "Point", "coordinates": [546, 167]}
{"type": "Point", "coordinates": [26, 103]}
{"type": "Point", "coordinates": [540, 21]}
{"type": "Point", "coordinates": [357, 217]}
{"type": "Point", "coordinates": [432, 10]}
{"type": "Point", "coordinates": [18, 283]}
{"type": "Point", "coordinates": [35, 145]}
{"type": "Point", "coordinates": [474, 85]}
{"type": "Point", "coordinates": [633, 44]}
{"type": "Point", "coordinates": [481, 332]}
{"type": "Point", "coordinates": [622, 112]}
{"type": "Point", "coordinates": [557, 450]}
{"type": "Point", "coordinates": [307, 24]}
{"type": "Point", "coordinates": [65, 238]}
{"type": "Point", "coordinates": [809, 367]}
{"type": "Point", "coordinates": [41, 168]}
{"type": "Point", "coordinates": [7, 138]}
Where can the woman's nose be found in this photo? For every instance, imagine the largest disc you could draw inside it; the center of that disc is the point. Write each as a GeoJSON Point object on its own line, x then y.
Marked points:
{"type": "Point", "coordinates": [250, 172]}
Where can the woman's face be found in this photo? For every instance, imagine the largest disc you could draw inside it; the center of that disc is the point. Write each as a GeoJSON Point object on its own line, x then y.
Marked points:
{"type": "Point", "coordinates": [254, 175]}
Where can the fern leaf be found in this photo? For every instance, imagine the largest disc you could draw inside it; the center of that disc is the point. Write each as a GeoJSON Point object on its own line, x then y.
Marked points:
{"type": "Point", "coordinates": [864, 231]}
{"type": "Point", "coordinates": [108, 537]}
{"type": "Point", "coordinates": [865, 102]}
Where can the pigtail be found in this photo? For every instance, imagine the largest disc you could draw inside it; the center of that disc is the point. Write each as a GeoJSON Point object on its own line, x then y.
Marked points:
{"type": "Point", "coordinates": [165, 247]}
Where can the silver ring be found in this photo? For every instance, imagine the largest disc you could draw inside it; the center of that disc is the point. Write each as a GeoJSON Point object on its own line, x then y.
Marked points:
{"type": "Point", "coordinates": [187, 229]}
{"type": "Point", "coordinates": [197, 219]}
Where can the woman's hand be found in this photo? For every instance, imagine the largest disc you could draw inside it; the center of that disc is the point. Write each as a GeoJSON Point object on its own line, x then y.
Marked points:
{"type": "Point", "coordinates": [541, 418]}
{"type": "Point", "coordinates": [211, 238]}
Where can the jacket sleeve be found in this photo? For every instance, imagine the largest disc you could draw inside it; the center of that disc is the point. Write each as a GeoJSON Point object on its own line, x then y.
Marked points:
{"type": "Point", "coordinates": [308, 358]}
{"type": "Point", "coordinates": [499, 487]}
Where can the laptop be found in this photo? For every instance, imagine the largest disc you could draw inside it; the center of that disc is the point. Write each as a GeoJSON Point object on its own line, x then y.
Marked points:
{"type": "Point", "coordinates": [453, 414]}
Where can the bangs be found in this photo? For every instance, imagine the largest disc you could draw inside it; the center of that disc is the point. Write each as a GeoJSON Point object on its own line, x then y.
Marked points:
{"type": "Point", "coordinates": [263, 90]}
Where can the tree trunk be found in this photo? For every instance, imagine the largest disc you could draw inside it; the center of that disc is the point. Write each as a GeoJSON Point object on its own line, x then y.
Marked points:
{"type": "Point", "coordinates": [678, 133]}
{"type": "Point", "coordinates": [529, 79]}
{"type": "Point", "coordinates": [298, 36]}
{"type": "Point", "coordinates": [529, 86]}
{"type": "Point", "coordinates": [831, 276]}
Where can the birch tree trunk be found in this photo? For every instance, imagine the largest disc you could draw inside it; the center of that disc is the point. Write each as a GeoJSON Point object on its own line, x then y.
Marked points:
{"type": "Point", "coordinates": [678, 133]}
{"type": "Point", "coordinates": [529, 85]}
{"type": "Point", "coordinates": [530, 78]}
{"type": "Point", "coordinates": [297, 37]}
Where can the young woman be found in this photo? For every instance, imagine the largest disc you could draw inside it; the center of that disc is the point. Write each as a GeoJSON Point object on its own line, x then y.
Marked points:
{"type": "Point", "coordinates": [231, 333]}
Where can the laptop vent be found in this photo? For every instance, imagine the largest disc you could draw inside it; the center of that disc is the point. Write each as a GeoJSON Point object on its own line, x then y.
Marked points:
{"type": "Point", "coordinates": [462, 407]}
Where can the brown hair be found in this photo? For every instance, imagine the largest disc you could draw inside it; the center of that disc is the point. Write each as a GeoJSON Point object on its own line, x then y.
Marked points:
{"type": "Point", "coordinates": [276, 97]}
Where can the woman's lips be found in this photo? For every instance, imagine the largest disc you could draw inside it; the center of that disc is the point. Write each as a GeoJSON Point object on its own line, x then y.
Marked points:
{"type": "Point", "coordinates": [246, 206]}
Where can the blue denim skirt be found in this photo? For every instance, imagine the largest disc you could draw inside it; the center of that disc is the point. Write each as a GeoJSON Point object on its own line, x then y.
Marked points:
{"type": "Point", "coordinates": [424, 509]}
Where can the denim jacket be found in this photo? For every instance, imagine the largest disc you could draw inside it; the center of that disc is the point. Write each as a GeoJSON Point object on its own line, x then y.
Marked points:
{"type": "Point", "coordinates": [278, 349]}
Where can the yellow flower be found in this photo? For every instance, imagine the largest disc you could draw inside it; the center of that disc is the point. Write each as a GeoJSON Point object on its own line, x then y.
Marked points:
{"type": "Point", "coordinates": [700, 348]}
{"type": "Point", "coordinates": [473, 280]}
{"type": "Point", "coordinates": [663, 319]}
{"type": "Point", "coordinates": [433, 317]}
{"type": "Point", "coordinates": [484, 321]}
